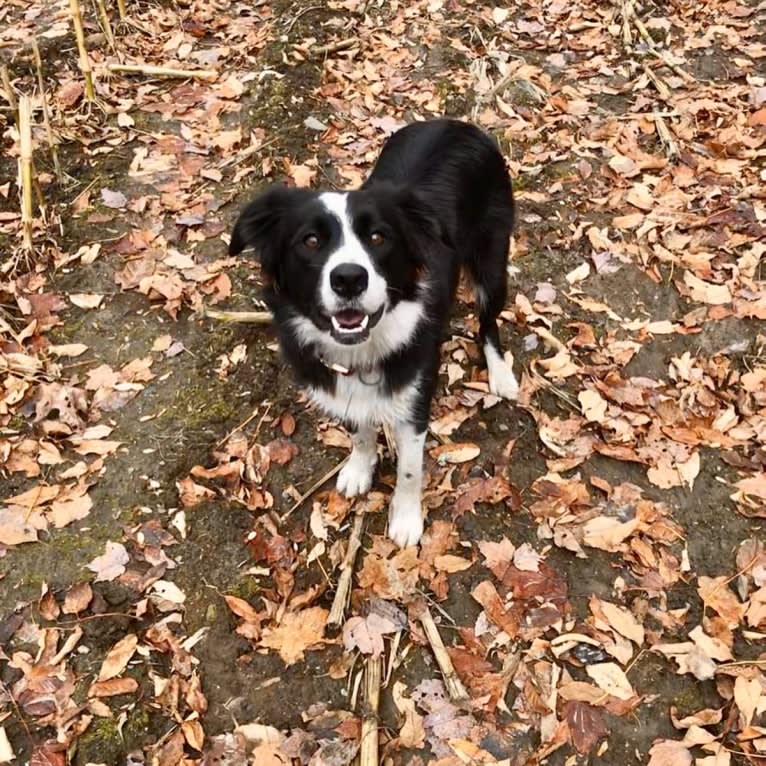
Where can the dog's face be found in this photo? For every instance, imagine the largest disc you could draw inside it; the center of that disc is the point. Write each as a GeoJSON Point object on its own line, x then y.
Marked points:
{"type": "Point", "coordinates": [340, 259]}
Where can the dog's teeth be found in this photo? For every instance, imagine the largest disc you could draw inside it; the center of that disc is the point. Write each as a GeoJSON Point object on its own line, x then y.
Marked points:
{"type": "Point", "coordinates": [336, 324]}
{"type": "Point", "coordinates": [365, 322]}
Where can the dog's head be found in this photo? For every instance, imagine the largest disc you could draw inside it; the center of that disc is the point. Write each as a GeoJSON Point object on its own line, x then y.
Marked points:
{"type": "Point", "coordinates": [340, 259]}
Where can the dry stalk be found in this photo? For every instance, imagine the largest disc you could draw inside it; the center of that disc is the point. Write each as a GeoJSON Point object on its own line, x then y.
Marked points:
{"type": "Point", "coordinates": [122, 10]}
{"type": "Point", "coordinates": [335, 620]}
{"type": "Point", "coordinates": [452, 683]}
{"type": "Point", "coordinates": [627, 34]}
{"type": "Point", "coordinates": [9, 94]}
{"type": "Point", "coordinates": [662, 89]}
{"type": "Point", "coordinates": [46, 113]}
{"type": "Point", "coordinates": [244, 317]}
{"type": "Point", "coordinates": [671, 148]}
{"type": "Point", "coordinates": [85, 68]}
{"type": "Point", "coordinates": [106, 25]}
{"type": "Point", "coordinates": [368, 753]}
{"type": "Point", "coordinates": [162, 71]}
{"type": "Point", "coordinates": [662, 55]}
{"type": "Point", "coordinates": [338, 45]}
{"type": "Point", "coordinates": [25, 171]}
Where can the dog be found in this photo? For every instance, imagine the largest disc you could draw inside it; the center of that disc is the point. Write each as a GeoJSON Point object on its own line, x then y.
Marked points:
{"type": "Point", "coordinates": [361, 283]}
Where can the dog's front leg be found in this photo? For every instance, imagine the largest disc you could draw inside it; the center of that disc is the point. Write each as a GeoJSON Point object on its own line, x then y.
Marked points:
{"type": "Point", "coordinates": [405, 516]}
{"type": "Point", "coordinates": [355, 478]}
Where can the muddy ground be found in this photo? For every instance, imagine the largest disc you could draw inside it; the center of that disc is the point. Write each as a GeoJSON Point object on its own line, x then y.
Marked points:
{"type": "Point", "coordinates": [197, 410]}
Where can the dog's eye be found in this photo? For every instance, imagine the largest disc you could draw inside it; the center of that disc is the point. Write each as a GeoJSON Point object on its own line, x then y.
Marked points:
{"type": "Point", "coordinates": [311, 241]}
{"type": "Point", "coordinates": [376, 238]}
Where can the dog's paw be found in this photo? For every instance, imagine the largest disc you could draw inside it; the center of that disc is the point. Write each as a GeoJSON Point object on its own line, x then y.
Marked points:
{"type": "Point", "coordinates": [405, 519]}
{"type": "Point", "coordinates": [355, 478]}
{"type": "Point", "coordinates": [502, 381]}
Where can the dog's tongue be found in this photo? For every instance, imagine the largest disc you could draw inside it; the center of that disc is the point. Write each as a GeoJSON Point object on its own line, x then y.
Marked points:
{"type": "Point", "coordinates": [349, 318]}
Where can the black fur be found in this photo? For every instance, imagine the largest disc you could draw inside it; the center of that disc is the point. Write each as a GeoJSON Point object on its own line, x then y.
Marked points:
{"type": "Point", "coordinates": [441, 195]}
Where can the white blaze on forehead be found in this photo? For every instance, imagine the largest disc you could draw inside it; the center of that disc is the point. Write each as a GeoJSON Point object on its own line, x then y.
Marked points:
{"type": "Point", "coordinates": [349, 250]}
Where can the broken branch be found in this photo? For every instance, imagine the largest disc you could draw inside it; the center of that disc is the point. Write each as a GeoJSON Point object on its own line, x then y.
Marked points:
{"type": "Point", "coordinates": [368, 753]}
{"type": "Point", "coordinates": [452, 683]}
{"type": "Point", "coordinates": [162, 71]}
{"type": "Point", "coordinates": [335, 620]}
{"type": "Point", "coordinates": [244, 317]}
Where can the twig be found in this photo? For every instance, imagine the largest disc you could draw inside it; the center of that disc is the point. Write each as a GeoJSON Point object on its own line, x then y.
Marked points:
{"type": "Point", "coordinates": [662, 55]}
{"type": "Point", "coordinates": [498, 88]}
{"type": "Point", "coordinates": [9, 94]}
{"type": "Point", "coordinates": [671, 148]}
{"type": "Point", "coordinates": [25, 170]}
{"type": "Point", "coordinates": [245, 153]}
{"type": "Point", "coordinates": [452, 683]}
{"type": "Point", "coordinates": [338, 45]}
{"type": "Point", "coordinates": [335, 620]}
{"type": "Point", "coordinates": [105, 23]}
{"type": "Point", "coordinates": [658, 82]}
{"type": "Point", "coordinates": [85, 68]}
{"type": "Point", "coordinates": [314, 487]}
{"type": "Point", "coordinates": [627, 34]}
{"type": "Point", "coordinates": [246, 317]}
{"type": "Point", "coordinates": [298, 15]}
{"type": "Point", "coordinates": [368, 753]}
{"type": "Point", "coordinates": [122, 10]}
{"type": "Point", "coordinates": [46, 114]}
{"type": "Point", "coordinates": [162, 71]}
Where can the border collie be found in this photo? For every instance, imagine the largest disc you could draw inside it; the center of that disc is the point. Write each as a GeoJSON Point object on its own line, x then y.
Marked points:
{"type": "Point", "coordinates": [361, 284]}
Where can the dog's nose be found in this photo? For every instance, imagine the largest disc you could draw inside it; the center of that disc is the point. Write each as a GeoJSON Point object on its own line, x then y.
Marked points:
{"type": "Point", "coordinates": [348, 280]}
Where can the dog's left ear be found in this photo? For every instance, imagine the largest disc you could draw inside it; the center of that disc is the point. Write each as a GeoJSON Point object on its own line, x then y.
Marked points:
{"type": "Point", "coordinates": [258, 224]}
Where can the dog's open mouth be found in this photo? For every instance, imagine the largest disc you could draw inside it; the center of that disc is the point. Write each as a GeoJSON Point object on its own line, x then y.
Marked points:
{"type": "Point", "coordinates": [352, 325]}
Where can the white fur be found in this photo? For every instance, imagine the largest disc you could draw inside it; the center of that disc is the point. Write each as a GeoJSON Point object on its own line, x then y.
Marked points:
{"type": "Point", "coordinates": [350, 250]}
{"type": "Point", "coordinates": [502, 381]}
{"type": "Point", "coordinates": [394, 330]}
{"type": "Point", "coordinates": [355, 478]}
{"type": "Point", "coordinates": [405, 515]}
{"type": "Point", "coordinates": [366, 403]}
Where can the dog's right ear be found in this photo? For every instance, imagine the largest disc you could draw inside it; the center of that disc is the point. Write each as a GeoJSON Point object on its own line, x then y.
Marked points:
{"type": "Point", "coordinates": [258, 225]}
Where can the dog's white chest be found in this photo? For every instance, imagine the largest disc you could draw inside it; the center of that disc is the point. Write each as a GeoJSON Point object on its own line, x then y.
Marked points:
{"type": "Point", "coordinates": [362, 403]}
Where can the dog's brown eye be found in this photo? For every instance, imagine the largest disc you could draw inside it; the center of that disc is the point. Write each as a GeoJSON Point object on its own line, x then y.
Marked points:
{"type": "Point", "coordinates": [312, 241]}
{"type": "Point", "coordinates": [376, 238]}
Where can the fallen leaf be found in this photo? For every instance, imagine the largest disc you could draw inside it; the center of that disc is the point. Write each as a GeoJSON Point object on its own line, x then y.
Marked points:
{"type": "Point", "coordinates": [117, 657]}
{"type": "Point", "coordinates": [113, 687]}
{"type": "Point", "coordinates": [298, 632]}
{"type": "Point", "coordinates": [111, 564]}
{"type": "Point", "coordinates": [667, 752]}
{"type": "Point", "coordinates": [611, 678]}
{"type": "Point", "coordinates": [86, 300]}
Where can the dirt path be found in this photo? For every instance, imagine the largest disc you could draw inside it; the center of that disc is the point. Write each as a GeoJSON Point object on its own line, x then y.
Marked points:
{"type": "Point", "coordinates": [594, 564]}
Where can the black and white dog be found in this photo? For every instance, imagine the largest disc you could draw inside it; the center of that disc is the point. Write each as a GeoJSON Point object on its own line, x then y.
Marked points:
{"type": "Point", "coordinates": [361, 283]}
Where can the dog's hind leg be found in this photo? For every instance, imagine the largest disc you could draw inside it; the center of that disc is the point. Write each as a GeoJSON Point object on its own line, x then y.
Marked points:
{"type": "Point", "coordinates": [355, 478]}
{"type": "Point", "coordinates": [487, 265]}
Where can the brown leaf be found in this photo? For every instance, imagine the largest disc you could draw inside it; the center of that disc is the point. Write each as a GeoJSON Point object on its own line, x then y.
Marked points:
{"type": "Point", "coordinates": [48, 755]}
{"type": "Point", "coordinates": [715, 593]}
{"type": "Point", "coordinates": [586, 725]}
{"type": "Point", "coordinates": [113, 687]}
{"type": "Point", "coordinates": [667, 752]}
{"type": "Point", "coordinates": [118, 657]}
{"type": "Point", "coordinates": [190, 493]}
{"type": "Point", "coordinates": [492, 490]}
{"type": "Point", "coordinates": [111, 564]}
{"type": "Point", "coordinates": [77, 598]}
{"type": "Point", "coordinates": [282, 451]}
{"type": "Point", "coordinates": [486, 594]}
{"type": "Point", "coordinates": [297, 632]}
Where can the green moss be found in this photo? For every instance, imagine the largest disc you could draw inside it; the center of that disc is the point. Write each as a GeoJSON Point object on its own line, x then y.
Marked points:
{"type": "Point", "coordinates": [101, 743]}
{"type": "Point", "coordinates": [246, 589]}
{"type": "Point", "coordinates": [136, 728]}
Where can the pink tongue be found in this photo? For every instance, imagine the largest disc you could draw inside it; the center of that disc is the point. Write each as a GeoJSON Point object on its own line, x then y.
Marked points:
{"type": "Point", "coordinates": [349, 318]}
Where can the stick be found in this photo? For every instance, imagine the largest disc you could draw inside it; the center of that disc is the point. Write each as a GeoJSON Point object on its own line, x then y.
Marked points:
{"type": "Point", "coordinates": [246, 317]}
{"type": "Point", "coordinates": [46, 113]}
{"type": "Point", "coordinates": [335, 620]}
{"type": "Point", "coordinates": [627, 35]}
{"type": "Point", "coordinates": [105, 23]}
{"type": "Point", "coordinates": [314, 487]}
{"type": "Point", "coordinates": [338, 45]}
{"type": "Point", "coordinates": [9, 95]}
{"type": "Point", "coordinates": [658, 82]}
{"type": "Point", "coordinates": [122, 10]}
{"type": "Point", "coordinates": [85, 68]}
{"type": "Point", "coordinates": [25, 165]}
{"type": "Point", "coordinates": [453, 684]}
{"type": "Point", "coordinates": [662, 55]}
{"type": "Point", "coordinates": [161, 71]}
{"type": "Point", "coordinates": [368, 753]}
{"type": "Point", "coordinates": [671, 149]}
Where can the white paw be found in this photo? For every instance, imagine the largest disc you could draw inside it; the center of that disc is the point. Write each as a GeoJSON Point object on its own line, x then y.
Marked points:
{"type": "Point", "coordinates": [502, 381]}
{"type": "Point", "coordinates": [405, 520]}
{"type": "Point", "coordinates": [355, 478]}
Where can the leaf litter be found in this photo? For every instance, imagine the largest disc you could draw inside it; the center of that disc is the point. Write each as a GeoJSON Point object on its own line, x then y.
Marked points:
{"type": "Point", "coordinates": [668, 189]}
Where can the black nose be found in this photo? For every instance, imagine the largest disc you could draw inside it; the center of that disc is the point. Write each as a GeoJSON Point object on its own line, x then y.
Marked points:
{"type": "Point", "coordinates": [348, 280]}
